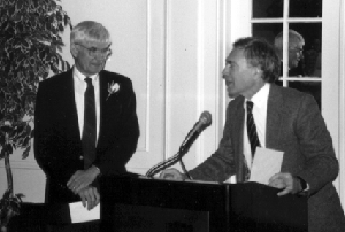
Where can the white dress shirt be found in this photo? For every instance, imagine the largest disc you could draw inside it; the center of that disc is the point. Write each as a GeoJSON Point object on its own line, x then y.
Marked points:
{"type": "Point", "coordinates": [79, 90]}
{"type": "Point", "coordinates": [259, 100]}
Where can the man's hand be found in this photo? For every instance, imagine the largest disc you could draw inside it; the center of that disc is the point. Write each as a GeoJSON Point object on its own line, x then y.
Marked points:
{"type": "Point", "coordinates": [90, 197]}
{"type": "Point", "coordinates": [172, 173]}
{"type": "Point", "coordinates": [285, 181]}
{"type": "Point", "coordinates": [82, 179]}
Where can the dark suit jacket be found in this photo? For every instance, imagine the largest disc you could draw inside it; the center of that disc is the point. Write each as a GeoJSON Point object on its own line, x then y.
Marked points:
{"type": "Point", "coordinates": [296, 127]}
{"type": "Point", "coordinates": [57, 144]}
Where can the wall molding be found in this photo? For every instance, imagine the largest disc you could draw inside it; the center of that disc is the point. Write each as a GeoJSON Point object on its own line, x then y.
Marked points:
{"type": "Point", "coordinates": [24, 164]}
{"type": "Point", "coordinates": [341, 139]}
{"type": "Point", "coordinates": [146, 147]}
{"type": "Point", "coordinates": [167, 76]}
{"type": "Point", "coordinates": [201, 74]}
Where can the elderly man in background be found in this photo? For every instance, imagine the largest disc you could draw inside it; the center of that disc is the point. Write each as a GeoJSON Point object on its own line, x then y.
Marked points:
{"type": "Point", "coordinates": [295, 54]}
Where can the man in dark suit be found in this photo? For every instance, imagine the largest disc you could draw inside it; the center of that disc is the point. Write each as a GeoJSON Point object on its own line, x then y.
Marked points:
{"type": "Point", "coordinates": [74, 146]}
{"type": "Point", "coordinates": [286, 120]}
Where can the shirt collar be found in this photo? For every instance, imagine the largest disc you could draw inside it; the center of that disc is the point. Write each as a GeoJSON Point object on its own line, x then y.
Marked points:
{"type": "Point", "coordinates": [81, 76]}
{"type": "Point", "coordinates": [261, 97]}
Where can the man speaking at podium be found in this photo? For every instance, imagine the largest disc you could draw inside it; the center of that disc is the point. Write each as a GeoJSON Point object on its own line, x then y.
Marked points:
{"type": "Point", "coordinates": [264, 115]}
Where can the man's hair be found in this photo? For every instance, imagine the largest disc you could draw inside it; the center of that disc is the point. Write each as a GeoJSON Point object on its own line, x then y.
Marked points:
{"type": "Point", "coordinates": [260, 54]}
{"type": "Point", "coordinates": [89, 31]}
{"type": "Point", "coordinates": [295, 39]}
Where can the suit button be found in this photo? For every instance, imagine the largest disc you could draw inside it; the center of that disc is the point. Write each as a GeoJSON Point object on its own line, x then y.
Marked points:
{"type": "Point", "coordinates": [81, 157]}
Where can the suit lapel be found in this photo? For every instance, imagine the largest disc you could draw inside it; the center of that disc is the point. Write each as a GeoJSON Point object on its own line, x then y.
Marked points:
{"type": "Point", "coordinates": [275, 109]}
{"type": "Point", "coordinates": [238, 125]}
{"type": "Point", "coordinates": [103, 96]}
{"type": "Point", "coordinates": [237, 134]}
{"type": "Point", "coordinates": [68, 104]}
{"type": "Point", "coordinates": [103, 88]}
{"type": "Point", "coordinates": [109, 107]}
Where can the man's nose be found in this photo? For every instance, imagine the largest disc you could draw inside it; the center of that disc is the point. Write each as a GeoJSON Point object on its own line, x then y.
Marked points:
{"type": "Point", "coordinates": [100, 56]}
{"type": "Point", "coordinates": [226, 71]}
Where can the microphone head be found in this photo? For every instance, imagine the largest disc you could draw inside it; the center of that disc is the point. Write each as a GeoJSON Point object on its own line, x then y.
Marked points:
{"type": "Point", "coordinates": [205, 120]}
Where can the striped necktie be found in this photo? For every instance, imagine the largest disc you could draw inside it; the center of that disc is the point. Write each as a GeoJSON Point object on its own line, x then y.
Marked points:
{"type": "Point", "coordinates": [89, 131]}
{"type": "Point", "coordinates": [251, 128]}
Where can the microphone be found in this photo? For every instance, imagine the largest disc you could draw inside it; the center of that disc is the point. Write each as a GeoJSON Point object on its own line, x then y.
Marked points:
{"type": "Point", "coordinates": [204, 121]}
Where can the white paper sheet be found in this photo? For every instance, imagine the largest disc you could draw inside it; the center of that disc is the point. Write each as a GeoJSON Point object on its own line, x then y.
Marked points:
{"type": "Point", "coordinates": [231, 180]}
{"type": "Point", "coordinates": [266, 163]}
{"type": "Point", "coordinates": [80, 214]}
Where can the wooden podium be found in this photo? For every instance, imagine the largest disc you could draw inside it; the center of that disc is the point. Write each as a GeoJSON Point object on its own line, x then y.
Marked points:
{"type": "Point", "coordinates": [147, 205]}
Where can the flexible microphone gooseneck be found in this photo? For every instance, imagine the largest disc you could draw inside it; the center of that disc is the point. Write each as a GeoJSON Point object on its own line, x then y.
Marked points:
{"type": "Point", "coordinates": [204, 121]}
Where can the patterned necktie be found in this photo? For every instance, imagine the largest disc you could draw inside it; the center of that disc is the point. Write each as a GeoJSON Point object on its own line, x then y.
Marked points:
{"type": "Point", "coordinates": [89, 131]}
{"type": "Point", "coordinates": [251, 128]}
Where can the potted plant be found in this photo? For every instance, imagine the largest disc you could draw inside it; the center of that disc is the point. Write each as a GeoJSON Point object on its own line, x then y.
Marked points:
{"type": "Point", "coordinates": [30, 46]}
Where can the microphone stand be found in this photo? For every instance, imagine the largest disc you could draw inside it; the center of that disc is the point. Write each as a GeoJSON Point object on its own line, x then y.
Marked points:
{"type": "Point", "coordinates": [184, 148]}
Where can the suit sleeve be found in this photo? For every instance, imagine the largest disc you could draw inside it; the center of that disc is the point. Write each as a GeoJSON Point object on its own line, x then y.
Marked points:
{"type": "Point", "coordinates": [42, 131]}
{"type": "Point", "coordinates": [321, 166]}
{"type": "Point", "coordinates": [220, 165]}
{"type": "Point", "coordinates": [48, 143]}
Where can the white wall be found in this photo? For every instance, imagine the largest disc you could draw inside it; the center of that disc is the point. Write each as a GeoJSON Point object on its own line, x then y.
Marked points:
{"type": "Point", "coordinates": [27, 177]}
{"type": "Point", "coordinates": [173, 50]}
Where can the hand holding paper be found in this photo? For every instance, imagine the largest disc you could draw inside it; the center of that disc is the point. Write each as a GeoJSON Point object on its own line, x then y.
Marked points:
{"type": "Point", "coordinates": [267, 162]}
{"type": "Point", "coordinates": [266, 169]}
{"type": "Point", "coordinates": [90, 197]}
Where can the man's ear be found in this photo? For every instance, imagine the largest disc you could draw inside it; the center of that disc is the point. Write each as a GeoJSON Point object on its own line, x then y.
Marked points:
{"type": "Point", "coordinates": [74, 50]}
{"type": "Point", "coordinates": [257, 71]}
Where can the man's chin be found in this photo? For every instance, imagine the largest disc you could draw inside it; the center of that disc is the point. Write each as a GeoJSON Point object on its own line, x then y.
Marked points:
{"type": "Point", "coordinates": [97, 66]}
{"type": "Point", "coordinates": [233, 95]}
{"type": "Point", "coordinates": [96, 70]}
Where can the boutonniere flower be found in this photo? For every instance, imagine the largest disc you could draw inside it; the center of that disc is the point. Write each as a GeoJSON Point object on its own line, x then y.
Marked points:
{"type": "Point", "coordinates": [113, 88]}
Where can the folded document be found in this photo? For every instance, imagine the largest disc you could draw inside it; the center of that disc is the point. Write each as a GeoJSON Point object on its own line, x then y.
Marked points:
{"type": "Point", "coordinates": [80, 214]}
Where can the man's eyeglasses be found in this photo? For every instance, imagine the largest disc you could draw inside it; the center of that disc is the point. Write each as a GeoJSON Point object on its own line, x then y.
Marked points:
{"type": "Point", "coordinates": [299, 50]}
{"type": "Point", "coordinates": [98, 51]}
